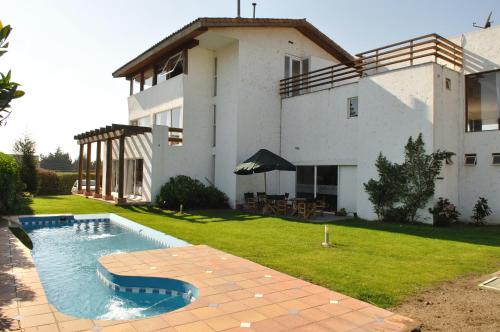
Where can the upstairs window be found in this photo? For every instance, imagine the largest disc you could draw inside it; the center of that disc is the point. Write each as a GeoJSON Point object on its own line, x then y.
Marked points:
{"type": "Point", "coordinates": [295, 66]}
{"type": "Point", "coordinates": [352, 107]}
{"type": "Point", "coordinates": [173, 66]}
{"type": "Point", "coordinates": [470, 159]}
{"type": "Point", "coordinates": [483, 101]}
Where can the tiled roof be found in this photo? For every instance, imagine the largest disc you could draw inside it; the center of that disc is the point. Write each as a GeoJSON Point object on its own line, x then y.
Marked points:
{"type": "Point", "coordinates": [202, 24]}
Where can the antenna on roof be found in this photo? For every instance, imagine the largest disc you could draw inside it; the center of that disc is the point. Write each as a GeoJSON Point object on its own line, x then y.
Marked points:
{"type": "Point", "coordinates": [254, 4]}
{"type": "Point", "coordinates": [238, 12]}
{"type": "Point", "coordinates": [487, 24]}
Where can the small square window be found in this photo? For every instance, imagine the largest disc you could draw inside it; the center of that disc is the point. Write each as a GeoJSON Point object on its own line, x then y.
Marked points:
{"type": "Point", "coordinates": [447, 83]}
{"type": "Point", "coordinates": [352, 107]}
{"type": "Point", "coordinates": [495, 158]}
{"type": "Point", "coordinates": [470, 159]}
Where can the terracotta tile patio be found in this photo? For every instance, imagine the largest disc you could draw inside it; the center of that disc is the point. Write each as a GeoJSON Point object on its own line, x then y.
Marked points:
{"type": "Point", "coordinates": [235, 294]}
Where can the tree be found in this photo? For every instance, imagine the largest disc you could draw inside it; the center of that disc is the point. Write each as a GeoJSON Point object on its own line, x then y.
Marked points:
{"type": "Point", "coordinates": [25, 150]}
{"type": "Point", "coordinates": [8, 89]}
{"type": "Point", "coordinates": [385, 192]}
{"type": "Point", "coordinates": [480, 211]}
{"type": "Point", "coordinates": [420, 171]}
{"type": "Point", "coordinates": [58, 161]}
{"type": "Point", "coordinates": [402, 190]}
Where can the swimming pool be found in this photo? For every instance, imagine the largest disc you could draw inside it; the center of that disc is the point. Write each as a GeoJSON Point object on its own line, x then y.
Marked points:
{"type": "Point", "coordinates": [66, 252]}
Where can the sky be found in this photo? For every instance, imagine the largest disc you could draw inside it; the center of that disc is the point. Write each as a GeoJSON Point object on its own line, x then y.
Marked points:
{"type": "Point", "coordinates": [63, 52]}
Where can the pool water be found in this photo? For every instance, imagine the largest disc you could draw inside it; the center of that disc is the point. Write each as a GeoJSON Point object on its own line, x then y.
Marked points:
{"type": "Point", "coordinates": [66, 256]}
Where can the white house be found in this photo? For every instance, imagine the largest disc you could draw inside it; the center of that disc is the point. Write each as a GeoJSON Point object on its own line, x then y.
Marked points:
{"type": "Point", "coordinates": [211, 94]}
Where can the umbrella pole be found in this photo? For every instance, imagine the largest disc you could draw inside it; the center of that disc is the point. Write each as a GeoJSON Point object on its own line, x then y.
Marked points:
{"type": "Point", "coordinates": [265, 183]}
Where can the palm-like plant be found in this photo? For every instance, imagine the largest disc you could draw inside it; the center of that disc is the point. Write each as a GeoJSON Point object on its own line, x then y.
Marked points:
{"type": "Point", "coordinates": [8, 89]}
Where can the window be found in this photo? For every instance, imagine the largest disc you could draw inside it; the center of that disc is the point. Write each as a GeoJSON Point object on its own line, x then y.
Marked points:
{"type": "Point", "coordinates": [495, 158]}
{"type": "Point", "coordinates": [295, 66]}
{"type": "Point", "coordinates": [352, 107]}
{"type": "Point", "coordinates": [483, 101]}
{"type": "Point", "coordinates": [215, 126]}
{"type": "Point", "coordinates": [447, 84]}
{"type": "Point", "coordinates": [215, 76]}
{"type": "Point", "coordinates": [470, 159]}
{"type": "Point", "coordinates": [148, 79]}
{"type": "Point", "coordinates": [172, 67]}
{"type": "Point", "coordinates": [135, 84]}
{"type": "Point", "coordinates": [171, 118]}
{"type": "Point", "coordinates": [145, 121]}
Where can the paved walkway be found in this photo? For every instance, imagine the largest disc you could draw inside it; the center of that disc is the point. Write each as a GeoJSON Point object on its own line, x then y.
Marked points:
{"type": "Point", "coordinates": [235, 295]}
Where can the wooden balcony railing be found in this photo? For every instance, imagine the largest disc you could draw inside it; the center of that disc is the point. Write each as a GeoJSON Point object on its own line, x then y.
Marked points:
{"type": "Point", "coordinates": [427, 48]}
{"type": "Point", "coordinates": [175, 136]}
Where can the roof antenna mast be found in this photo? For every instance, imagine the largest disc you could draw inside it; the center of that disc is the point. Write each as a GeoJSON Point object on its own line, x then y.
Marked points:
{"type": "Point", "coordinates": [487, 24]}
{"type": "Point", "coordinates": [254, 4]}
{"type": "Point", "coordinates": [238, 12]}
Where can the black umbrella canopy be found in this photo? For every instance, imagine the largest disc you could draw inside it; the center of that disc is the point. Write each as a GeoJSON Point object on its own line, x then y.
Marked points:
{"type": "Point", "coordinates": [263, 161]}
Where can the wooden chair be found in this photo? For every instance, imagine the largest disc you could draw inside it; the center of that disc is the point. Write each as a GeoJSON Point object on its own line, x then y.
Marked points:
{"type": "Point", "coordinates": [320, 206]}
{"type": "Point", "coordinates": [281, 207]}
{"type": "Point", "coordinates": [250, 202]}
{"type": "Point", "coordinates": [261, 199]}
{"type": "Point", "coordinates": [302, 209]}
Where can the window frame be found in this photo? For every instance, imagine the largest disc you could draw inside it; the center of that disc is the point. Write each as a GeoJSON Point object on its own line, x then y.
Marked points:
{"type": "Point", "coordinates": [467, 101]}
{"type": "Point", "coordinates": [470, 155]}
{"type": "Point", "coordinates": [493, 156]}
{"type": "Point", "coordinates": [349, 115]}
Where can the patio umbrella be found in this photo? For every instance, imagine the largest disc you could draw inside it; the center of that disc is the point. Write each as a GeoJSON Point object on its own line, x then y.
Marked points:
{"type": "Point", "coordinates": [264, 161]}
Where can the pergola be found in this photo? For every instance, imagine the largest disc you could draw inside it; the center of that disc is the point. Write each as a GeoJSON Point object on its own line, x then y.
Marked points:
{"type": "Point", "coordinates": [105, 134]}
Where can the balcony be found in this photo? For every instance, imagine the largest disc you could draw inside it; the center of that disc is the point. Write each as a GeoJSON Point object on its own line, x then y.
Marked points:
{"type": "Point", "coordinates": [423, 49]}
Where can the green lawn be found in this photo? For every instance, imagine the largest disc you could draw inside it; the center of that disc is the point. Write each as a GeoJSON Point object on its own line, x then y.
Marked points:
{"type": "Point", "coordinates": [376, 262]}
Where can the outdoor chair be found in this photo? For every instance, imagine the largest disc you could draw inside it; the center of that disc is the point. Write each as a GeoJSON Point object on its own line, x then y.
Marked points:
{"type": "Point", "coordinates": [320, 206]}
{"type": "Point", "coordinates": [261, 199]}
{"type": "Point", "coordinates": [281, 207]}
{"type": "Point", "coordinates": [250, 202]}
{"type": "Point", "coordinates": [302, 209]}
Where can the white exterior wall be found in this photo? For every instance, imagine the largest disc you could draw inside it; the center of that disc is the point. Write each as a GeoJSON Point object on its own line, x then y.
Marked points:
{"type": "Point", "coordinates": [166, 95]}
{"type": "Point", "coordinates": [260, 60]}
{"type": "Point", "coordinates": [314, 129]}
{"type": "Point", "coordinates": [481, 53]}
{"type": "Point", "coordinates": [392, 107]}
{"type": "Point", "coordinates": [347, 191]}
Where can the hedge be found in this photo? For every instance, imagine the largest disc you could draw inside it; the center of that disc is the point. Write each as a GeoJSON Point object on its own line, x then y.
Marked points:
{"type": "Point", "coordinates": [10, 186]}
{"type": "Point", "coordinates": [191, 193]}
{"type": "Point", "coordinates": [57, 183]}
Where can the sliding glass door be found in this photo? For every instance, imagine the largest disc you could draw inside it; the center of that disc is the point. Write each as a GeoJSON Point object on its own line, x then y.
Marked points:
{"type": "Point", "coordinates": [318, 182]}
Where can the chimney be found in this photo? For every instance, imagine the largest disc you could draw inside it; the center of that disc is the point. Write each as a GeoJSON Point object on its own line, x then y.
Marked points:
{"type": "Point", "coordinates": [254, 4]}
{"type": "Point", "coordinates": [238, 13]}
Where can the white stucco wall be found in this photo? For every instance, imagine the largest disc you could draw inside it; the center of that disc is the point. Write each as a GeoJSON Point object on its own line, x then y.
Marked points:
{"type": "Point", "coordinates": [166, 95]}
{"type": "Point", "coordinates": [481, 53]}
{"type": "Point", "coordinates": [347, 189]}
{"type": "Point", "coordinates": [392, 107]}
{"type": "Point", "coordinates": [259, 59]}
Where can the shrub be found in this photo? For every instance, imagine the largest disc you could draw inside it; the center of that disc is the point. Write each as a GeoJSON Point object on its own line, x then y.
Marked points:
{"type": "Point", "coordinates": [61, 185]}
{"type": "Point", "coordinates": [191, 193]}
{"type": "Point", "coordinates": [444, 213]}
{"type": "Point", "coordinates": [9, 183]}
{"type": "Point", "coordinates": [407, 187]}
{"type": "Point", "coordinates": [341, 212]}
{"type": "Point", "coordinates": [398, 214]}
{"type": "Point", "coordinates": [48, 182]}
{"type": "Point", "coordinates": [480, 211]}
